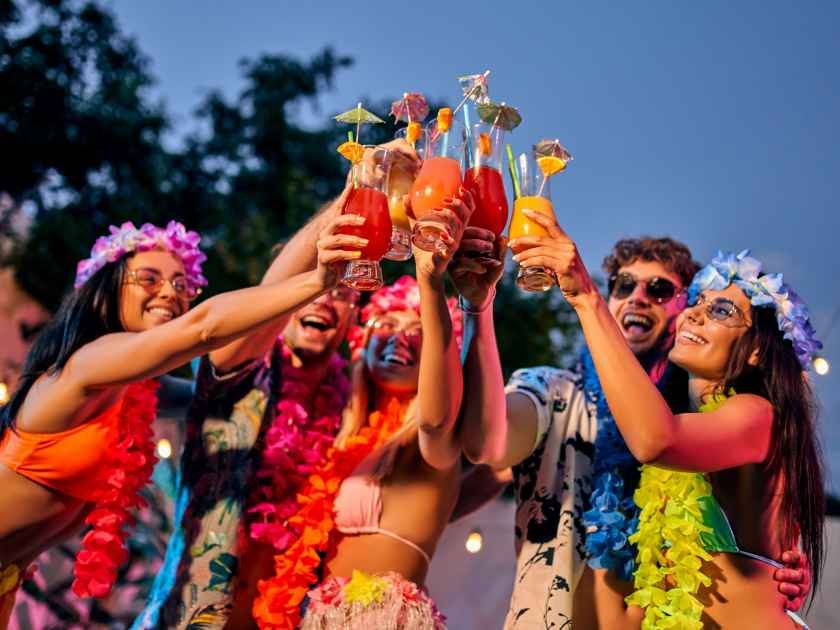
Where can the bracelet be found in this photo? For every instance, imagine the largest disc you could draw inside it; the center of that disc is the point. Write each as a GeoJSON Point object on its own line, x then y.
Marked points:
{"type": "Point", "coordinates": [469, 309]}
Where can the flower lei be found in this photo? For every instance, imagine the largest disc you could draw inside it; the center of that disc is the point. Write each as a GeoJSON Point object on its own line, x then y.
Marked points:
{"type": "Point", "coordinates": [132, 461]}
{"type": "Point", "coordinates": [613, 516]}
{"type": "Point", "coordinates": [296, 569]}
{"type": "Point", "coordinates": [127, 238]}
{"type": "Point", "coordinates": [297, 441]}
{"type": "Point", "coordinates": [764, 290]}
{"type": "Point", "coordinates": [670, 543]}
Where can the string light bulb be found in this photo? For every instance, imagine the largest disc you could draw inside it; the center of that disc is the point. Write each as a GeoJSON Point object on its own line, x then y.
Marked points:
{"type": "Point", "coordinates": [164, 448]}
{"type": "Point", "coordinates": [4, 393]}
{"type": "Point", "coordinates": [475, 541]}
{"type": "Point", "coordinates": [821, 366]}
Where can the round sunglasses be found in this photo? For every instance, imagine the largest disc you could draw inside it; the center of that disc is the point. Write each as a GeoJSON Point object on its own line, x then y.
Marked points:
{"type": "Point", "coordinates": [656, 289]}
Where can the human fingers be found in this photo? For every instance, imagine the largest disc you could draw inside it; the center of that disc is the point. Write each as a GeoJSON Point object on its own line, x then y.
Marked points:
{"type": "Point", "coordinates": [478, 233]}
{"type": "Point", "coordinates": [549, 223]}
{"type": "Point", "coordinates": [553, 250]}
{"type": "Point", "coordinates": [339, 241]}
{"type": "Point", "coordinates": [341, 221]}
{"type": "Point", "coordinates": [332, 256]}
{"type": "Point", "coordinates": [473, 247]}
{"type": "Point", "coordinates": [464, 265]}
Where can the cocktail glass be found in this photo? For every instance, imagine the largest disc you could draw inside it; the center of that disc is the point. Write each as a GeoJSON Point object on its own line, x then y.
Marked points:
{"type": "Point", "coordinates": [439, 177]}
{"type": "Point", "coordinates": [484, 180]}
{"type": "Point", "coordinates": [368, 199]}
{"type": "Point", "coordinates": [536, 196]}
{"type": "Point", "coordinates": [400, 181]}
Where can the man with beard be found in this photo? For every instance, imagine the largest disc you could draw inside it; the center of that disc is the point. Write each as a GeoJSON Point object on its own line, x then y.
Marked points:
{"type": "Point", "coordinates": [265, 409]}
{"type": "Point", "coordinates": [573, 475]}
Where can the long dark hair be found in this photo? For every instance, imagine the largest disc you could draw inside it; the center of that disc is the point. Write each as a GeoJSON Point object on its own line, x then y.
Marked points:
{"type": "Point", "coordinates": [795, 455]}
{"type": "Point", "coordinates": [85, 314]}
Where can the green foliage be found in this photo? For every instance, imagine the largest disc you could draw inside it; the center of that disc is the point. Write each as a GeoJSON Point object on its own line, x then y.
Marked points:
{"type": "Point", "coordinates": [86, 150]}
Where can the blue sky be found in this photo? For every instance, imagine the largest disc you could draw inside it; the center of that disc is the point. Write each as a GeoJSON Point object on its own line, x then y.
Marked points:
{"type": "Point", "coordinates": [715, 122]}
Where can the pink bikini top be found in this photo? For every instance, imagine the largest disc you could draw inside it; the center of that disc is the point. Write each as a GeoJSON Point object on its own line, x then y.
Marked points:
{"type": "Point", "coordinates": [358, 505]}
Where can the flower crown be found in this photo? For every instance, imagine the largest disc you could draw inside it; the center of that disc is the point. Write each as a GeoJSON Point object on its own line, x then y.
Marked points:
{"type": "Point", "coordinates": [127, 239]}
{"type": "Point", "coordinates": [764, 290]}
{"type": "Point", "coordinates": [402, 295]}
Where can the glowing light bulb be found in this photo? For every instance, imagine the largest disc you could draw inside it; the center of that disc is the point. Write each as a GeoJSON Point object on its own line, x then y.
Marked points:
{"type": "Point", "coordinates": [164, 448]}
{"type": "Point", "coordinates": [821, 366]}
{"type": "Point", "coordinates": [475, 541]}
{"type": "Point", "coordinates": [4, 393]}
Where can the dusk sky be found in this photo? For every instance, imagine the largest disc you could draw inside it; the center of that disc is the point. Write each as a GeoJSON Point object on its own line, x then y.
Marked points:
{"type": "Point", "coordinates": [717, 123]}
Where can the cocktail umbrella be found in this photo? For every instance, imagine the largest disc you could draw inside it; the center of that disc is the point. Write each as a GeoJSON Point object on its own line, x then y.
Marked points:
{"type": "Point", "coordinates": [499, 115]}
{"type": "Point", "coordinates": [552, 158]}
{"type": "Point", "coordinates": [359, 116]}
{"type": "Point", "coordinates": [475, 88]}
{"type": "Point", "coordinates": [413, 109]}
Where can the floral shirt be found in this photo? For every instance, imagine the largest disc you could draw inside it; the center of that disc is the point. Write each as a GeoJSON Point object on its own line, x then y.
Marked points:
{"type": "Point", "coordinates": [552, 486]}
{"type": "Point", "coordinates": [224, 422]}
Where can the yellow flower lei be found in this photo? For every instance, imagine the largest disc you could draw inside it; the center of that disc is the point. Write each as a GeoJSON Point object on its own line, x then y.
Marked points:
{"type": "Point", "coordinates": [670, 549]}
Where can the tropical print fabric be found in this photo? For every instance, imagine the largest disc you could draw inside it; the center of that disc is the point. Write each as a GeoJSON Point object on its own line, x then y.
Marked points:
{"type": "Point", "coordinates": [551, 486]}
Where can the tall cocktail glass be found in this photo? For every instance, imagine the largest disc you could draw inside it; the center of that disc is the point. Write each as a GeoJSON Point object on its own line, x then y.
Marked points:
{"type": "Point", "coordinates": [400, 181]}
{"type": "Point", "coordinates": [536, 196]}
{"type": "Point", "coordinates": [484, 180]}
{"type": "Point", "coordinates": [439, 178]}
{"type": "Point", "coordinates": [368, 199]}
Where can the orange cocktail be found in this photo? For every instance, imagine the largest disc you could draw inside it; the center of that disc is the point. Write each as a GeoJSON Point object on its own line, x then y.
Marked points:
{"type": "Point", "coordinates": [521, 225]}
{"type": "Point", "coordinates": [399, 185]}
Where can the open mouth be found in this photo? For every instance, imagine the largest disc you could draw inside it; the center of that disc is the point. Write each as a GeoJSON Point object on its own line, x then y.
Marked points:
{"type": "Point", "coordinates": [317, 321]}
{"type": "Point", "coordinates": [636, 323]}
{"type": "Point", "coordinates": [162, 312]}
{"type": "Point", "coordinates": [689, 337]}
{"type": "Point", "coordinates": [396, 355]}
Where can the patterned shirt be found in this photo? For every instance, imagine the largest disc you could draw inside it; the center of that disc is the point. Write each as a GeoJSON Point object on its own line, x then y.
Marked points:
{"type": "Point", "coordinates": [552, 486]}
{"type": "Point", "coordinates": [227, 417]}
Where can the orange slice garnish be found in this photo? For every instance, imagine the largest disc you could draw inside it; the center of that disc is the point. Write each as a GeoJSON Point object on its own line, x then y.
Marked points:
{"type": "Point", "coordinates": [484, 143]}
{"type": "Point", "coordinates": [352, 151]}
{"type": "Point", "coordinates": [444, 119]}
{"type": "Point", "coordinates": [412, 133]}
{"type": "Point", "coordinates": [550, 164]}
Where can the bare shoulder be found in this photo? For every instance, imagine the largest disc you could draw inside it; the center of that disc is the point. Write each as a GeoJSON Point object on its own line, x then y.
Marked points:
{"type": "Point", "coordinates": [751, 406]}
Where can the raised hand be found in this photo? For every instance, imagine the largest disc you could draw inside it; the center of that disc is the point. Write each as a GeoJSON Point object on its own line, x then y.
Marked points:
{"type": "Point", "coordinates": [336, 250]}
{"type": "Point", "coordinates": [557, 252]}
{"type": "Point", "coordinates": [456, 212]}
{"type": "Point", "coordinates": [476, 280]}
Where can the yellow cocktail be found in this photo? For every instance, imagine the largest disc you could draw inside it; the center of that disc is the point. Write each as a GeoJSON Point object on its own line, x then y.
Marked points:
{"type": "Point", "coordinates": [399, 185]}
{"type": "Point", "coordinates": [520, 225]}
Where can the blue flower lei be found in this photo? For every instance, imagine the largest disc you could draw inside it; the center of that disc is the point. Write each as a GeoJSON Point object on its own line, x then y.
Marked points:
{"type": "Point", "coordinates": [613, 515]}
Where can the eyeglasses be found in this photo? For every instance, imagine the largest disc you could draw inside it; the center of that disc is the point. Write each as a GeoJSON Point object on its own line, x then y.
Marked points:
{"type": "Point", "coordinates": [656, 289]}
{"type": "Point", "coordinates": [344, 294]}
{"type": "Point", "coordinates": [387, 327]}
{"type": "Point", "coordinates": [152, 282]}
{"type": "Point", "coordinates": [722, 310]}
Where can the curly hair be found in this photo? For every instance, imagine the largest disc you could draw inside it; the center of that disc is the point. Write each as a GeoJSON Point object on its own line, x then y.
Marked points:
{"type": "Point", "coordinates": [675, 256]}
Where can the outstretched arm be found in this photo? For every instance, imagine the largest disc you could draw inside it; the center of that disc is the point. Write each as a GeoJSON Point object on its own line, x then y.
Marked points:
{"type": "Point", "coordinates": [297, 256]}
{"type": "Point", "coordinates": [441, 386]}
{"type": "Point", "coordinates": [494, 429]}
{"type": "Point", "coordinates": [126, 357]}
{"type": "Point", "coordinates": [735, 434]}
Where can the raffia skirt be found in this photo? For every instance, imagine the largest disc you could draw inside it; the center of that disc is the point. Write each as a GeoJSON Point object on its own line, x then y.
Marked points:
{"type": "Point", "coordinates": [368, 602]}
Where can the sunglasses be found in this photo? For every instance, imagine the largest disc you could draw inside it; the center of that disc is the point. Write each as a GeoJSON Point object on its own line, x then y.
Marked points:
{"type": "Point", "coordinates": [722, 310]}
{"type": "Point", "coordinates": [656, 289]}
{"type": "Point", "coordinates": [152, 282]}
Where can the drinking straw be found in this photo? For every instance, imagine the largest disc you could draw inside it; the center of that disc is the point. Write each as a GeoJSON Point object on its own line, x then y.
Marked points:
{"type": "Point", "coordinates": [514, 176]}
{"type": "Point", "coordinates": [469, 135]}
{"type": "Point", "coordinates": [353, 166]}
{"type": "Point", "coordinates": [445, 143]}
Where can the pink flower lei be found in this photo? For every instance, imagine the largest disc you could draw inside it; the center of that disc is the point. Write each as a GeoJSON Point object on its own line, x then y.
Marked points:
{"type": "Point", "coordinates": [304, 427]}
{"type": "Point", "coordinates": [132, 462]}
{"type": "Point", "coordinates": [126, 239]}
{"type": "Point", "coordinates": [402, 295]}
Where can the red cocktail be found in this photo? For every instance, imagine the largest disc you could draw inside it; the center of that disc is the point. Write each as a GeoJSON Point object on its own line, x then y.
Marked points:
{"type": "Point", "coordinates": [368, 199]}
{"type": "Point", "coordinates": [491, 204]}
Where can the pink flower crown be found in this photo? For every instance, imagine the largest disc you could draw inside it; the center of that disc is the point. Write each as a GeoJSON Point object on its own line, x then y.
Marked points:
{"type": "Point", "coordinates": [402, 295]}
{"type": "Point", "coordinates": [127, 239]}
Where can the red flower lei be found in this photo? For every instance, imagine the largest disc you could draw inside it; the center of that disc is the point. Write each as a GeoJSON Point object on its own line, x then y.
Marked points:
{"type": "Point", "coordinates": [296, 569]}
{"type": "Point", "coordinates": [132, 461]}
{"type": "Point", "coordinates": [300, 435]}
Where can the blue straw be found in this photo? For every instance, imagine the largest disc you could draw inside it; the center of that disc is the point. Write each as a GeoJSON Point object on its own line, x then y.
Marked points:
{"type": "Point", "coordinates": [470, 156]}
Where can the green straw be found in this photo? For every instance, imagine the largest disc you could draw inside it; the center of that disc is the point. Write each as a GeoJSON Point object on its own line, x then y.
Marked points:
{"type": "Point", "coordinates": [353, 166]}
{"type": "Point", "coordinates": [514, 176]}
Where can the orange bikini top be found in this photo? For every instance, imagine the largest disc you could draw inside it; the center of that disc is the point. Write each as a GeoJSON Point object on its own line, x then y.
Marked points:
{"type": "Point", "coordinates": [70, 461]}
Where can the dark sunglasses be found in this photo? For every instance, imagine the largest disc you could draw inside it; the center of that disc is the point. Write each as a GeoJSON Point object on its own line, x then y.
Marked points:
{"type": "Point", "coordinates": [658, 290]}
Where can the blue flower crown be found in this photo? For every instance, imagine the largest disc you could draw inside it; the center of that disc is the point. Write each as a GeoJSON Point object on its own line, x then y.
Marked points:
{"type": "Point", "coordinates": [764, 290]}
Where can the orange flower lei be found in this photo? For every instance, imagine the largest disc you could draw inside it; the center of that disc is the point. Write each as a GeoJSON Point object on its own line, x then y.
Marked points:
{"type": "Point", "coordinates": [296, 570]}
